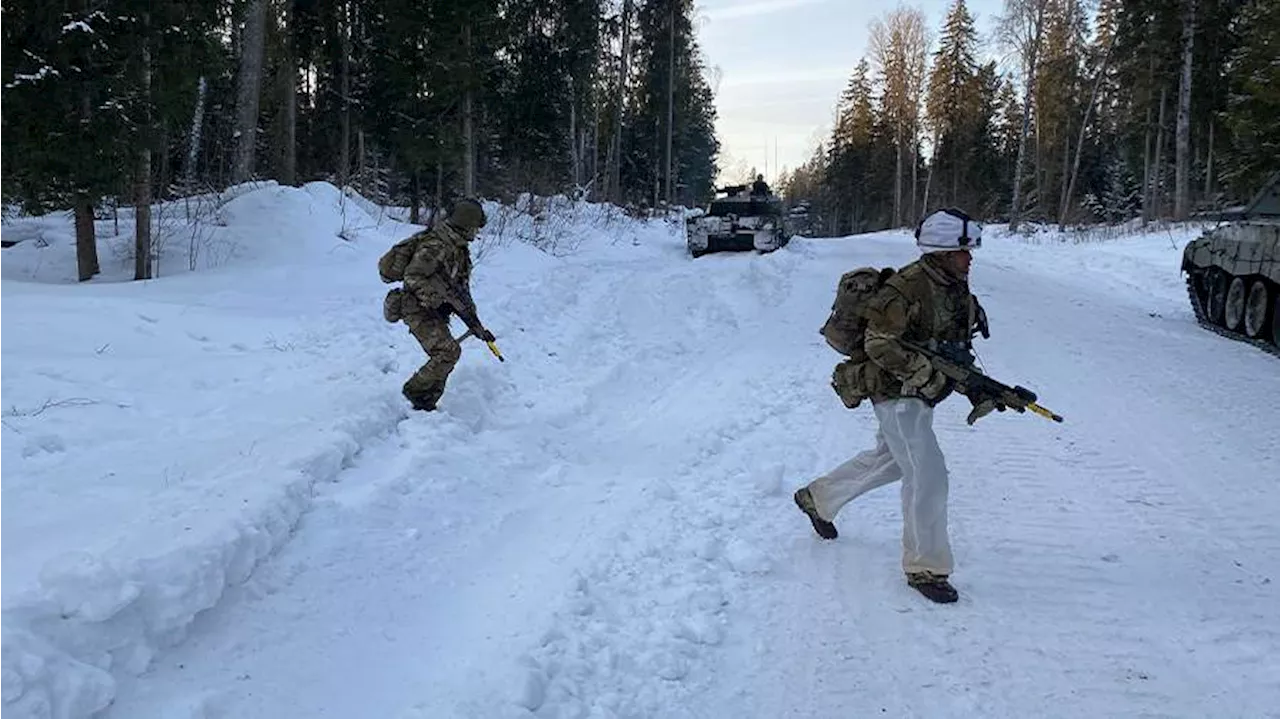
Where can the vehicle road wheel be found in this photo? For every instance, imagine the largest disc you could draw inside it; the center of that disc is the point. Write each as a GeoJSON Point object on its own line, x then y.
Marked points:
{"type": "Point", "coordinates": [1256, 308]}
{"type": "Point", "coordinates": [1217, 281]}
{"type": "Point", "coordinates": [1234, 315]}
{"type": "Point", "coordinates": [1275, 323]}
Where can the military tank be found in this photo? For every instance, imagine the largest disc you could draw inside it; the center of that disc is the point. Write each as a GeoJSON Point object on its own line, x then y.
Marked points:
{"type": "Point", "coordinates": [1233, 272]}
{"type": "Point", "coordinates": [742, 220]}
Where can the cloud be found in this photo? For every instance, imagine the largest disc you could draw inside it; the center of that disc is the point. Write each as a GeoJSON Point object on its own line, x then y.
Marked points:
{"type": "Point", "coordinates": [752, 9]}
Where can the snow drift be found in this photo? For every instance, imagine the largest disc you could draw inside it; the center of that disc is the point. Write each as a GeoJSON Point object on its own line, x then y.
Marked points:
{"type": "Point", "coordinates": [162, 438]}
{"type": "Point", "coordinates": [216, 503]}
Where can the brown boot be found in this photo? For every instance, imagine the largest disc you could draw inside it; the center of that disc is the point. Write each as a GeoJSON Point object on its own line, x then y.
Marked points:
{"type": "Point", "coordinates": [804, 500]}
{"type": "Point", "coordinates": [934, 586]}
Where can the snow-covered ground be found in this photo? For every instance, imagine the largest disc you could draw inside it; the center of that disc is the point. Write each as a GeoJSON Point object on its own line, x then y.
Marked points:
{"type": "Point", "coordinates": [216, 504]}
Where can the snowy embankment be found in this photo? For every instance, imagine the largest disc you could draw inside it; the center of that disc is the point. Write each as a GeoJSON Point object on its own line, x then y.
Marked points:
{"type": "Point", "coordinates": [602, 525]}
{"type": "Point", "coordinates": [162, 439]}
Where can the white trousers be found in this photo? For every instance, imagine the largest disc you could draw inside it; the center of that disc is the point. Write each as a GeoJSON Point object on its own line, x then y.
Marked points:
{"type": "Point", "coordinates": [906, 450]}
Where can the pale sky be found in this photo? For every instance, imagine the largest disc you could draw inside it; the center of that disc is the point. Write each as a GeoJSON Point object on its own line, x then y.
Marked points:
{"type": "Point", "coordinates": [782, 65]}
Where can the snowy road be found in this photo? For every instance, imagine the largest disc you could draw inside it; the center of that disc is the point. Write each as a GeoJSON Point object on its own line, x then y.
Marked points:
{"type": "Point", "coordinates": [1122, 564]}
{"type": "Point", "coordinates": [617, 535]}
{"type": "Point", "coordinates": [602, 525]}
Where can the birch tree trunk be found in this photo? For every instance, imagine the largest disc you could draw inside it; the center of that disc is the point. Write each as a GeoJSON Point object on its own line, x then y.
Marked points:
{"type": "Point", "coordinates": [468, 124]}
{"type": "Point", "coordinates": [249, 86]}
{"type": "Point", "coordinates": [928, 177]}
{"type": "Point", "coordinates": [142, 186]}
{"type": "Point", "coordinates": [897, 178]}
{"type": "Point", "coordinates": [671, 96]}
{"type": "Point", "coordinates": [1208, 165]}
{"type": "Point", "coordinates": [1182, 168]}
{"type": "Point", "coordinates": [344, 145]}
{"type": "Point", "coordinates": [1066, 170]}
{"type": "Point", "coordinates": [1156, 165]}
{"type": "Point", "coordinates": [595, 149]}
{"type": "Point", "coordinates": [574, 161]}
{"type": "Point", "coordinates": [615, 149]}
{"type": "Point", "coordinates": [193, 142]}
{"type": "Point", "coordinates": [289, 101]}
{"type": "Point", "coordinates": [1031, 60]}
{"type": "Point", "coordinates": [1084, 124]}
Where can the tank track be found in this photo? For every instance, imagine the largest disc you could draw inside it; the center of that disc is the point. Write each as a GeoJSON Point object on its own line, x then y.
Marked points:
{"type": "Point", "coordinates": [1203, 319]}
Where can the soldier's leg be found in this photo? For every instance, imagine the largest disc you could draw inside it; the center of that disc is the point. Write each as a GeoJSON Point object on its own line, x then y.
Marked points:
{"type": "Point", "coordinates": [908, 428]}
{"type": "Point", "coordinates": [866, 471]}
{"type": "Point", "coordinates": [426, 386]}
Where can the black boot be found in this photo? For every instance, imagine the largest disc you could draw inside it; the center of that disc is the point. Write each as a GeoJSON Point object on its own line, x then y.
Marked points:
{"type": "Point", "coordinates": [419, 402]}
{"type": "Point", "coordinates": [804, 500]}
{"type": "Point", "coordinates": [934, 586]}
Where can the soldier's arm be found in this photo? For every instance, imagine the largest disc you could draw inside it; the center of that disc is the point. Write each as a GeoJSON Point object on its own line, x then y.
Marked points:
{"type": "Point", "coordinates": [469, 313]}
{"type": "Point", "coordinates": [887, 322]}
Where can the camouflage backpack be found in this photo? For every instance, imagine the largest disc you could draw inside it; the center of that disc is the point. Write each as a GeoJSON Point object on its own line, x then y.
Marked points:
{"type": "Point", "coordinates": [391, 268]}
{"type": "Point", "coordinates": [393, 262]}
{"type": "Point", "coordinates": [847, 324]}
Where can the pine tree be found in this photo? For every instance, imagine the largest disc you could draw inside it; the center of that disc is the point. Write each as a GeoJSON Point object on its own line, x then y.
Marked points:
{"type": "Point", "coordinates": [953, 109]}
{"type": "Point", "coordinates": [849, 151]}
{"type": "Point", "coordinates": [1254, 104]}
{"type": "Point", "coordinates": [694, 145]}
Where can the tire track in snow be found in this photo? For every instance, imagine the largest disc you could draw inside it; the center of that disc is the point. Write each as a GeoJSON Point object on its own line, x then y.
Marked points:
{"type": "Point", "coordinates": [638, 632]}
{"type": "Point", "coordinates": [344, 542]}
{"type": "Point", "coordinates": [392, 552]}
{"type": "Point", "coordinates": [1094, 578]}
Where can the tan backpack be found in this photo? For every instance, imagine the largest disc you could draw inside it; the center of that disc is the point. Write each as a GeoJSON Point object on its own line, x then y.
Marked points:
{"type": "Point", "coordinates": [847, 325]}
{"type": "Point", "coordinates": [393, 262]}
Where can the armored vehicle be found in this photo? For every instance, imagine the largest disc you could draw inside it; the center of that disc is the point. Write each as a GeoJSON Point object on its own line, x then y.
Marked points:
{"type": "Point", "coordinates": [799, 220]}
{"type": "Point", "coordinates": [738, 221]}
{"type": "Point", "coordinates": [1233, 272]}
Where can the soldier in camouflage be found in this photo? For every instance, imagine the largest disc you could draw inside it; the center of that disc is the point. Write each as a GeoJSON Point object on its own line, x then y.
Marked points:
{"type": "Point", "coordinates": [437, 284]}
{"type": "Point", "coordinates": [927, 303]}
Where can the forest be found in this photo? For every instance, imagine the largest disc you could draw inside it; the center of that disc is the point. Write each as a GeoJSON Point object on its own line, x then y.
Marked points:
{"type": "Point", "coordinates": [409, 102]}
{"type": "Point", "coordinates": [1068, 113]}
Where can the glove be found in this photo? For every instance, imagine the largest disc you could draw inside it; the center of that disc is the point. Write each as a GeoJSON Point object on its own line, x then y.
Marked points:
{"type": "Point", "coordinates": [934, 388]}
{"type": "Point", "coordinates": [983, 405]}
{"type": "Point", "coordinates": [926, 381]}
{"type": "Point", "coordinates": [485, 335]}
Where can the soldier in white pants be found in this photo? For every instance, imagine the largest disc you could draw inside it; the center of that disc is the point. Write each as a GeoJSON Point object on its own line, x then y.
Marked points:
{"type": "Point", "coordinates": [926, 303]}
{"type": "Point", "coordinates": [906, 451]}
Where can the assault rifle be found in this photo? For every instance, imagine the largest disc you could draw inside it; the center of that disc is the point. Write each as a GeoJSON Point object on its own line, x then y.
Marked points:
{"type": "Point", "coordinates": [469, 318]}
{"type": "Point", "coordinates": [972, 383]}
{"type": "Point", "coordinates": [492, 347]}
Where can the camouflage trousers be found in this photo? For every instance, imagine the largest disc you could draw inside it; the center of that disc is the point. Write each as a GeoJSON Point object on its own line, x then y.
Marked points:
{"type": "Point", "coordinates": [426, 386]}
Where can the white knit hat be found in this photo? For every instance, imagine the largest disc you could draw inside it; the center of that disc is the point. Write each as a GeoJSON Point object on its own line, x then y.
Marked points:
{"type": "Point", "coordinates": [948, 230]}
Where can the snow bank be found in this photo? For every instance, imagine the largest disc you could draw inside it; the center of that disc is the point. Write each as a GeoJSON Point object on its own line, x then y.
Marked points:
{"type": "Point", "coordinates": [1134, 261]}
{"type": "Point", "coordinates": [241, 227]}
{"type": "Point", "coordinates": [162, 438]}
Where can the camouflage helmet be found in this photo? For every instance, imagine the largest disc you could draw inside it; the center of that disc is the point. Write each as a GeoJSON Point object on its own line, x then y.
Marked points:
{"type": "Point", "coordinates": [948, 230]}
{"type": "Point", "coordinates": [467, 214]}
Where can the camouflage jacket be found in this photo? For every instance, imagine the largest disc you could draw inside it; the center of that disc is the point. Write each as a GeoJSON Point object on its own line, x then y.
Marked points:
{"type": "Point", "coordinates": [923, 304]}
{"type": "Point", "coordinates": [438, 277]}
